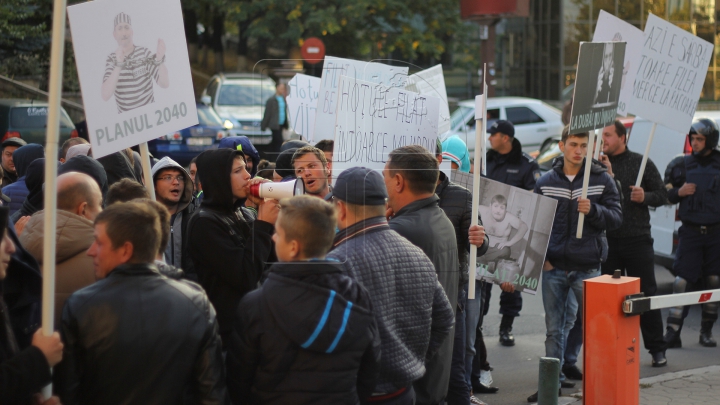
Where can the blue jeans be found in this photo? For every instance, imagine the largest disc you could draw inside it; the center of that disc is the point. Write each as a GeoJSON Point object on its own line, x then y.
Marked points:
{"type": "Point", "coordinates": [573, 331]}
{"type": "Point", "coordinates": [557, 284]}
{"type": "Point", "coordinates": [473, 313]}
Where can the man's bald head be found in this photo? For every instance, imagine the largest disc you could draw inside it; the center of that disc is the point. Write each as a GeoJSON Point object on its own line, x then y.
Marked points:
{"type": "Point", "coordinates": [80, 194]}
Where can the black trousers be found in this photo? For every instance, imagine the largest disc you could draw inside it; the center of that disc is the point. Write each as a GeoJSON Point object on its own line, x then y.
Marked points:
{"type": "Point", "coordinates": [636, 257]}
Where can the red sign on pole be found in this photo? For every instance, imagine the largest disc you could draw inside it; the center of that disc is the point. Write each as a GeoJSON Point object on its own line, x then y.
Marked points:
{"type": "Point", "coordinates": [313, 50]}
{"type": "Point", "coordinates": [705, 297]}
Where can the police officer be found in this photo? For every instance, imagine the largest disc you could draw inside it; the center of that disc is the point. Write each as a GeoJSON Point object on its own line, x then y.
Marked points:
{"type": "Point", "coordinates": [691, 181]}
{"type": "Point", "coordinates": [508, 164]}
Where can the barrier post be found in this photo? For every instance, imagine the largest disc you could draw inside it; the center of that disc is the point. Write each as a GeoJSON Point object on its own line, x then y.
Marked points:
{"type": "Point", "coordinates": [549, 381]}
{"type": "Point", "coordinates": [611, 349]}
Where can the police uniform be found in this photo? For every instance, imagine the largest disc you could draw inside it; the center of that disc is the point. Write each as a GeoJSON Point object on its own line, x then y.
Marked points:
{"type": "Point", "coordinates": [698, 252]}
{"type": "Point", "coordinates": [517, 169]}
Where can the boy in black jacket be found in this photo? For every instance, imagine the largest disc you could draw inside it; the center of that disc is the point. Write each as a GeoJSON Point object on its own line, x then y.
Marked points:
{"type": "Point", "coordinates": [308, 335]}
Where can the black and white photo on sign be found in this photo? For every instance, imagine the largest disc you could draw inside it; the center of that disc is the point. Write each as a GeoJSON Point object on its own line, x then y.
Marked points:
{"type": "Point", "coordinates": [134, 71]}
{"type": "Point", "coordinates": [597, 85]}
{"type": "Point", "coordinates": [518, 224]}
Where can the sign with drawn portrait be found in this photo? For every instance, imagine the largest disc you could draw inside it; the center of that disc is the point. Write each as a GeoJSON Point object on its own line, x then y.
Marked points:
{"type": "Point", "coordinates": [518, 224]}
{"type": "Point", "coordinates": [134, 71]}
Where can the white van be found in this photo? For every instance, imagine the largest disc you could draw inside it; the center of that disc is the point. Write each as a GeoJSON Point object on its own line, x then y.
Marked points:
{"type": "Point", "coordinates": [666, 145]}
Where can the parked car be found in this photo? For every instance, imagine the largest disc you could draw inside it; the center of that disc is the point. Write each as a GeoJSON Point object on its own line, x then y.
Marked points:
{"type": "Point", "coordinates": [239, 99]}
{"type": "Point", "coordinates": [535, 121]}
{"type": "Point", "coordinates": [27, 119]}
{"type": "Point", "coordinates": [187, 143]}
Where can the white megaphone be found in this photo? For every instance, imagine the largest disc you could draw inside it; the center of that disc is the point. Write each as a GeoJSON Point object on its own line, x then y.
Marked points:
{"type": "Point", "coordinates": [278, 190]}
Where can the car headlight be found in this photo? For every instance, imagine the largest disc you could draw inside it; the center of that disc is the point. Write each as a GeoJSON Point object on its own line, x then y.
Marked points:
{"type": "Point", "coordinates": [228, 125]}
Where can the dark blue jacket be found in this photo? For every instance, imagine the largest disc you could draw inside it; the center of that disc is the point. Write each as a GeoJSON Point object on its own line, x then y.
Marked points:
{"type": "Point", "coordinates": [703, 207]}
{"type": "Point", "coordinates": [248, 149]}
{"type": "Point", "coordinates": [565, 251]}
{"type": "Point", "coordinates": [517, 169]}
{"type": "Point", "coordinates": [22, 157]}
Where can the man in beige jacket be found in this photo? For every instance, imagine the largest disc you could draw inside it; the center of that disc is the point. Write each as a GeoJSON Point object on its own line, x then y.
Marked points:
{"type": "Point", "coordinates": [79, 202]}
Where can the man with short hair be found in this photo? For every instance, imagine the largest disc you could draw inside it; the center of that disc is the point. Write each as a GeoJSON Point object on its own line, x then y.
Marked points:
{"type": "Point", "coordinates": [310, 165]}
{"type": "Point", "coordinates": [69, 144]}
{"type": "Point", "coordinates": [126, 190]}
{"type": "Point", "coordinates": [276, 118]}
{"type": "Point", "coordinates": [136, 336]}
{"type": "Point", "coordinates": [18, 191]}
{"type": "Point", "coordinates": [630, 247]}
{"type": "Point", "coordinates": [411, 176]}
{"type": "Point", "coordinates": [327, 146]}
{"type": "Point", "coordinates": [7, 147]}
{"type": "Point", "coordinates": [174, 189]}
{"type": "Point", "coordinates": [307, 335]}
{"type": "Point", "coordinates": [400, 279]}
{"type": "Point", "coordinates": [79, 201]}
{"type": "Point", "coordinates": [570, 261]}
{"type": "Point", "coordinates": [508, 164]}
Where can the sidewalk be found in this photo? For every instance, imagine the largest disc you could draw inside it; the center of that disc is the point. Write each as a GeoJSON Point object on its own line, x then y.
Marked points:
{"type": "Point", "coordinates": [699, 386]}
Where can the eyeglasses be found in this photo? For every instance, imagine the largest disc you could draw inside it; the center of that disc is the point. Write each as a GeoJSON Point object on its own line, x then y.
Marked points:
{"type": "Point", "coordinates": [169, 179]}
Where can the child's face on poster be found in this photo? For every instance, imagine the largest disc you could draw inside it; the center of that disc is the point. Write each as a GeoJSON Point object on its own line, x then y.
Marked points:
{"type": "Point", "coordinates": [123, 34]}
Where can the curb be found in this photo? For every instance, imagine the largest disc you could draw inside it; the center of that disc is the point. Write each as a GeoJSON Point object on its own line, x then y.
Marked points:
{"type": "Point", "coordinates": [679, 374]}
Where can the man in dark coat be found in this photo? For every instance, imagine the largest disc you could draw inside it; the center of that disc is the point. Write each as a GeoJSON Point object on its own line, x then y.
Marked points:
{"type": "Point", "coordinates": [136, 336]}
{"type": "Point", "coordinates": [7, 147]}
{"type": "Point", "coordinates": [411, 176]}
{"type": "Point", "coordinates": [229, 245]}
{"type": "Point", "coordinates": [276, 118]}
{"type": "Point", "coordinates": [308, 335]}
{"type": "Point", "coordinates": [23, 373]}
{"type": "Point", "coordinates": [22, 157]}
{"type": "Point", "coordinates": [412, 312]}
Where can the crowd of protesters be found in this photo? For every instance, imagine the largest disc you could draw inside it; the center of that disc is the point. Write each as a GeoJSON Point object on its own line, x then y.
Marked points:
{"type": "Point", "coordinates": [352, 293]}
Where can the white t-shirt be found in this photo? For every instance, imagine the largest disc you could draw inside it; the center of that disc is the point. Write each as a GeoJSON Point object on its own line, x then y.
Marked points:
{"type": "Point", "coordinates": [571, 177]}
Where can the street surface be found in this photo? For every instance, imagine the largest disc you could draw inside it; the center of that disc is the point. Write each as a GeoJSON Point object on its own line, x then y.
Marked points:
{"type": "Point", "coordinates": [516, 368]}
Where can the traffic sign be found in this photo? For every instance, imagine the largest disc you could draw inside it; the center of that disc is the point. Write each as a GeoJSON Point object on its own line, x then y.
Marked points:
{"type": "Point", "coordinates": [313, 50]}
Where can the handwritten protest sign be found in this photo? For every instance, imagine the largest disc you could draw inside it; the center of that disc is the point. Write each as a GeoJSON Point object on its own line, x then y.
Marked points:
{"type": "Point", "coordinates": [670, 75]}
{"type": "Point", "coordinates": [302, 104]}
{"type": "Point", "coordinates": [333, 69]}
{"type": "Point", "coordinates": [612, 29]}
{"type": "Point", "coordinates": [518, 224]}
{"type": "Point", "coordinates": [134, 71]}
{"type": "Point", "coordinates": [431, 82]}
{"type": "Point", "coordinates": [373, 120]}
{"type": "Point", "coordinates": [597, 85]}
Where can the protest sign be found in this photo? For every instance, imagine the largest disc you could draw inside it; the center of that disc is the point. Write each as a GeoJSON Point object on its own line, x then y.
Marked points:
{"type": "Point", "coordinates": [431, 82]}
{"type": "Point", "coordinates": [612, 29]}
{"type": "Point", "coordinates": [518, 224]}
{"type": "Point", "coordinates": [333, 69]}
{"type": "Point", "coordinates": [373, 120]}
{"type": "Point", "coordinates": [670, 75]}
{"type": "Point", "coordinates": [302, 104]}
{"type": "Point", "coordinates": [597, 85]}
{"type": "Point", "coordinates": [134, 71]}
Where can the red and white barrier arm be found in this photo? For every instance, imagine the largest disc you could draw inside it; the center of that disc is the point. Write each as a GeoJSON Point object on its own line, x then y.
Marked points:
{"type": "Point", "coordinates": [635, 305]}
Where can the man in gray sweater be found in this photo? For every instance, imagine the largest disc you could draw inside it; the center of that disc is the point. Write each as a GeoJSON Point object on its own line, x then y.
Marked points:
{"type": "Point", "coordinates": [413, 313]}
{"type": "Point", "coordinates": [631, 245]}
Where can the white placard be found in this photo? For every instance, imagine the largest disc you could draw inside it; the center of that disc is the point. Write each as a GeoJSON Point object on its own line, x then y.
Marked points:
{"type": "Point", "coordinates": [431, 82]}
{"type": "Point", "coordinates": [333, 69]}
{"type": "Point", "coordinates": [612, 29]}
{"type": "Point", "coordinates": [302, 104]}
{"type": "Point", "coordinates": [373, 120]}
{"type": "Point", "coordinates": [149, 99]}
{"type": "Point", "coordinates": [670, 75]}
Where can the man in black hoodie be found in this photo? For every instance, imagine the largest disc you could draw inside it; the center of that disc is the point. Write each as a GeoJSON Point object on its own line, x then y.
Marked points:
{"type": "Point", "coordinates": [228, 245]}
{"type": "Point", "coordinates": [308, 335]}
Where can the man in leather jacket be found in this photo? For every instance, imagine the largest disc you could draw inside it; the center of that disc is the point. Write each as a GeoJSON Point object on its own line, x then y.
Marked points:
{"type": "Point", "coordinates": [136, 336]}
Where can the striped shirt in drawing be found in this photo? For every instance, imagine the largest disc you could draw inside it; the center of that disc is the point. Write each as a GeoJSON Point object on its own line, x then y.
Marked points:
{"type": "Point", "coordinates": [134, 88]}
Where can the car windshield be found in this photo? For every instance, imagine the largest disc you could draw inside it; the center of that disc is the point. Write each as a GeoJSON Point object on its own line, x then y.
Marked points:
{"type": "Point", "coordinates": [457, 118]}
{"type": "Point", "coordinates": [208, 117]}
{"type": "Point", "coordinates": [250, 93]}
{"type": "Point", "coordinates": [35, 117]}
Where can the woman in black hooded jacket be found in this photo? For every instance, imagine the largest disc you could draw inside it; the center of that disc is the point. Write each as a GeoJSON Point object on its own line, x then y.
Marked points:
{"type": "Point", "coordinates": [229, 245]}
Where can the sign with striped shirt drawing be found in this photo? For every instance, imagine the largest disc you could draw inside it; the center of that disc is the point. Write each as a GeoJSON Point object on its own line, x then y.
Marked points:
{"type": "Point", "coordinates": [134, 71]}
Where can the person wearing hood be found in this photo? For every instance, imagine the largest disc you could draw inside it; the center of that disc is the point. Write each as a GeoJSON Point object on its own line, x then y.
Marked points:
{"type": "Point", "coordinates": [243, 144]}
{"type": "Point", "coordinates": [308, 335]}
{"type": "Point", "coordinates": [23, 372]}
{"type": "Point", "coordinates": [229, 245]}
{"type": "Point", "coordinates": [570, 260]}
{"type": "Point", "coordinates": [174, 190]}
{"type": "Point", "coordinates": [119, 166]}
{"type": "Point", "coordinates": [89, 166]}
{"type": "Point", "coordinates": [35, 180]}
{"type": "Point", "coordinates": [79, 201]}
{"type": "Point", "coordinates": [7, 148]}
{"type": "Point", "coordinates": [508, 164]}
{"type": "Point", "coordinates": [22, 157]}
